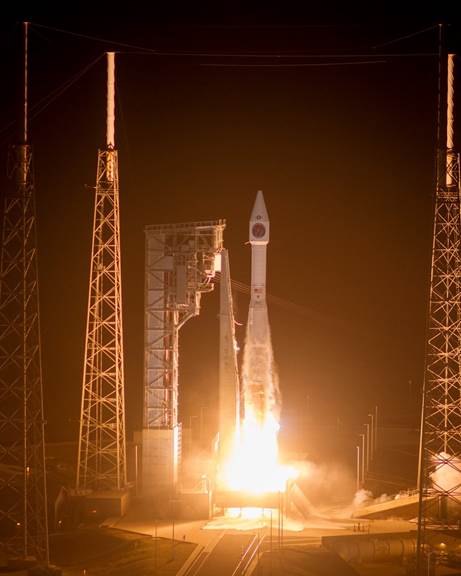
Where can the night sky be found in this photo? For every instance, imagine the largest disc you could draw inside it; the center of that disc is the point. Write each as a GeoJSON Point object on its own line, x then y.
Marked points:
{"type": "Point", "coordinates": [343, 148]}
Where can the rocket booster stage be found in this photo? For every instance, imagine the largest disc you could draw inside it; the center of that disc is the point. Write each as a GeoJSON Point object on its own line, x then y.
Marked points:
{"type": "Point", "coordinates": [259, 383]}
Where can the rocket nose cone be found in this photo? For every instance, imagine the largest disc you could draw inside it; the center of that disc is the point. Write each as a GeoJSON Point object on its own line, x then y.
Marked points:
{"type": "Point", "coordinates": [259, 212]}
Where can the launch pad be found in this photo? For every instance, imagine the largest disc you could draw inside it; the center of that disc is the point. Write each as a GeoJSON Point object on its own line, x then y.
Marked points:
{"type": "Point", "coordinates": [234, 499]}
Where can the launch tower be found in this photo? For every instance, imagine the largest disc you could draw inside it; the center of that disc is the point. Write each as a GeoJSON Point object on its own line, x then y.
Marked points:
{"type": "Point", "coordinates": [102, 449]}
{"type": "Point", "coordinates": [23, 507]}
{"type": "Point", "coordinates": [440, 455]}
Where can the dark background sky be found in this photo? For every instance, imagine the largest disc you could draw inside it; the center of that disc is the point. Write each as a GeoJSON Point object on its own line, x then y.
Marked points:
{"type": "Point", "coordinates": [344, 152]}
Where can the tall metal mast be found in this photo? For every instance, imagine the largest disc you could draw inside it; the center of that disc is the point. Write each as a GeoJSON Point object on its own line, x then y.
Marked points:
{"type": "Point", "coordinates": [102, 448]}
{"type": "Point", "coordinates": [440, 460]}
{"type": "Point", "coordinates": [23, 505]}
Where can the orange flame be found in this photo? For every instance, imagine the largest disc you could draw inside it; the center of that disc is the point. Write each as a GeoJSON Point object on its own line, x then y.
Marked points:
{"type": "Point", "coordinates": [253, 464]}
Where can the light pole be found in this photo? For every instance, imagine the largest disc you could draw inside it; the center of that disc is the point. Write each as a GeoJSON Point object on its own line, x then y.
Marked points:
{"type": "Point", "coordinates": [202, 408]}
{"type": "Point", "coordinates": [172, 527]}
{"type": "Point", "coordinates": [363, 457]}
{"type": "Point", "coordinates": [376, 427]}
{"type": "Point", "coordinates": [372, 435]}
{"type": "Point", "coordinates": [155, 548]}
{"type": "Point", "coordinates": [367, 426]}
{"type": "Point", "coordinates": [280, 520]}
{"type": "Point", "coordinates": [271, 536]}
{"type": "Point", "coordinates": [358, 467]}
{"type": "Point", "coordinates": [173, 501]}
{"type": "Point", "coordinates": [136, 469]}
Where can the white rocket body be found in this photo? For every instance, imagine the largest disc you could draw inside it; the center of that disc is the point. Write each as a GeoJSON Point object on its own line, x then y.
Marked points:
{"type": "Point", "coordinates": [258, 361]}
{"type": "Point", "coordinates": [259, 239]}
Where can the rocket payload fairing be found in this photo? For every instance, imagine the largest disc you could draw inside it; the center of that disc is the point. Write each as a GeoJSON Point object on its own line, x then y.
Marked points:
{"type": "Point", "coordinates": [259, 239]}
{"type": "Point", "coordinates": [259, 382]}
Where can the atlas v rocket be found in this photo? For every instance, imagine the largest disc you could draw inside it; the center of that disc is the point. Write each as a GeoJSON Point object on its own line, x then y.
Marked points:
{"type": "Point", "coordinates": [259, 239]}
{"type": "Point", "coordinates": [259, 383]}
{"type": "Point", "coordinates": [256, 391]}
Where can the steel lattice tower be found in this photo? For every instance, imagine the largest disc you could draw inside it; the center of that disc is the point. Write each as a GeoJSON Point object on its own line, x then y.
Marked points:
{"type": "Point", "coordinates": [102, 449]}
{"type": "Point", "coordinates": [440, 456]}
{"type": "Point", "coordinates": [23, 505]}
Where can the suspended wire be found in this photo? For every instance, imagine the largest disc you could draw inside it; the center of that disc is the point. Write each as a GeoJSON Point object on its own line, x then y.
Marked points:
{"type": "Point", "coordinates": [143, 50]}
{"type": "Point", "coordinates": [93, 38]}
{"type": "Point", "coordinates": [285, 55]}
{"type": "Point", "coordinates": [266, 26]}
{"type": "Point", "coordinates": [44, 102]}
{"type": "Point", "coordinates": [276, 300]}
{"type": "Point", "coordinates": [297, 65]}
{"type": "Point", "coordinates": [412, 35]}
{"type": "Point", "coordinates": [39, 34]}
{"type": "Point", "coordinates": [277, 55]}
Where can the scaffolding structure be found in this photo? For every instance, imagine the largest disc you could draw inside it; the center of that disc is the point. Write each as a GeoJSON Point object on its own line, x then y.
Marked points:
{"type": "Point", "coordinates": [180, 266]}
{"type": "Point", "coordinates": [440, 450]}
{"type": "Point", "coordinates": [23, 503]}
{"type": "Point", "coordinates": [102, 449]}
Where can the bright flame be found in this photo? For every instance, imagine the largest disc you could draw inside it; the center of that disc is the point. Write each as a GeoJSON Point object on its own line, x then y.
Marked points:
{"type": "Point", "coordinates": [248, 513]}
{"type": "Point", "coordinates": [253, 464]}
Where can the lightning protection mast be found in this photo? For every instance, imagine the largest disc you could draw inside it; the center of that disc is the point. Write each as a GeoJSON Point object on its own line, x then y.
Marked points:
{"type": "Point", "coordinates": [440, 454]}
{"type": "Point", "coordinates": [23, 506]}
{"type": "Point", "coordinates": [102, 449]}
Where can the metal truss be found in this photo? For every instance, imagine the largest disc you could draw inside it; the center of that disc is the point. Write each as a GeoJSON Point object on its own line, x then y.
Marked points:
{"type": "Point", "coordinates": [102, 449]}
{"type": "Point", "coordinates": [180, 264]}
{"type": "Point", "coordinates": [439, 474]}
{"type": "Point", "coordinates": [442, 415]}
{"type": "Point", "coordinates": [440, 455]}
{"type": "Point", "coordinates": [23, 505]}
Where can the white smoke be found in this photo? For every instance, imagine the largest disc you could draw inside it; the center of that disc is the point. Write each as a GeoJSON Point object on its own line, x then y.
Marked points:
{"type": "Point", "coordinates": [447, 473]}
{"type": "Point", "coordinates": [330, 492]}
{"type": "Point", "coordinates": [362, 497]}
{"type": "Point", "coordinates": [259, 377]}
{"type": "Point", "coordinates": [326, 484]}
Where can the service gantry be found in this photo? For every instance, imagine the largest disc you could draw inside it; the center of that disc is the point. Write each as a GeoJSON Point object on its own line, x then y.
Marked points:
{"type": "Point", "coordinates": [180, 265]}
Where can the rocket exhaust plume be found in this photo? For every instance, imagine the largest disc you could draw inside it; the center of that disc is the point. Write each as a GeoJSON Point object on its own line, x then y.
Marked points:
{"type": "Point", "coordinates": [253, 465]}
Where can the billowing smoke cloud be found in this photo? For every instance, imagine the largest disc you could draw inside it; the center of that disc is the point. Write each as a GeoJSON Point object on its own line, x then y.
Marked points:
{"type": "Point", "coordinates": [447, 474]}
{"type": "Point", "coordinates": [361, 498]}
{"type": "Point", "coordinates": [326, 485]}
{"type": "Point", "coordinates": [329, 492]}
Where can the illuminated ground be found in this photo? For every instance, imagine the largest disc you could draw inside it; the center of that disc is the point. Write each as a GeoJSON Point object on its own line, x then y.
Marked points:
{"type": "Point", "coordinates": [106, 551]}
{"type": "Point", "coordinates": [301, 548]}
